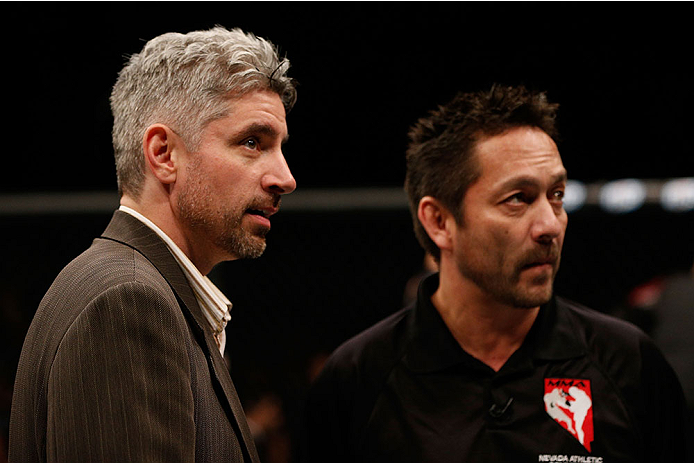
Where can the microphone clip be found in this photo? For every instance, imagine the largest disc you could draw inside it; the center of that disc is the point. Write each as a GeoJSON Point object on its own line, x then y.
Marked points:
{"type": "Point", "coordinates": [497, 411]}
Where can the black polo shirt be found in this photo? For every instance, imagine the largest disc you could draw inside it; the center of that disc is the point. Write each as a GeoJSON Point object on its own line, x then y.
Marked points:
{"type": "Point", "coordinates": [583, 387]}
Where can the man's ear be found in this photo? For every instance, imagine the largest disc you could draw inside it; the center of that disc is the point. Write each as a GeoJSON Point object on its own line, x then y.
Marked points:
{"type": "Point", "coordinates": [160, 145]}
{"type": "Point", "coordinates": [437, 221]}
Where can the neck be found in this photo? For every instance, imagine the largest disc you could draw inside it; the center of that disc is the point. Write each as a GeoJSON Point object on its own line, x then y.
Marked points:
{"type": "Point", "coordinates": [486, 329]}
{"type": "Point", "coordinates": [162, 216]}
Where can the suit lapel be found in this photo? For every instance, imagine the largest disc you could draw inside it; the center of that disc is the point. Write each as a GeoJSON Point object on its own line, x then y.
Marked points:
{"type": "Point", "coordinates": [128, 230]}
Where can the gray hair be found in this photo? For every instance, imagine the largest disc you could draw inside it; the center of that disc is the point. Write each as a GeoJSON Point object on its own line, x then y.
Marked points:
{"type": "Point", "coordinates": [185, 81]}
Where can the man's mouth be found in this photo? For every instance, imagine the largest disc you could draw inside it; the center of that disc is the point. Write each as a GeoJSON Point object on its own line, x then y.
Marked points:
{"type": "Point", "coordinates": [539, 263]}
{"type": "Point", "coordinates": [260, 212]}
{"type": "Point", "coordinates": [264, 207]}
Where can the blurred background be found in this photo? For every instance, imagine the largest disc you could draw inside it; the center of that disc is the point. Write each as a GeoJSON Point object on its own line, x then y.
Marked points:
{"type": "Point", "coordinates": [341, 251]}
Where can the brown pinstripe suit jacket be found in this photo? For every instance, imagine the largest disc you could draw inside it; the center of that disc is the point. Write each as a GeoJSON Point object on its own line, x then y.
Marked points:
{"type": "Point", "coordinates": [119, 364]}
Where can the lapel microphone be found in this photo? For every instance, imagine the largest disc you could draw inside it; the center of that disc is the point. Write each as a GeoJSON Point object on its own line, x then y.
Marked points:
{"type": "Point", "coordinates": [497, 411]}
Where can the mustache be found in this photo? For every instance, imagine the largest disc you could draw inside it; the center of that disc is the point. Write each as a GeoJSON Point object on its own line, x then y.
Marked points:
{"type": "Point", "coordinates": [265, 202]}
{"type": "Point", "coordinates": [549, 255]}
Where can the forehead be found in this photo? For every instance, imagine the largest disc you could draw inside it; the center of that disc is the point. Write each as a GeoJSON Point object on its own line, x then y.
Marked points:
{"type": "Point", "coordinates": [258, 101]}
{"type": "Point", "coordinates": [523, 152]}
{"type": "Point", "coordinates": [260, 110]}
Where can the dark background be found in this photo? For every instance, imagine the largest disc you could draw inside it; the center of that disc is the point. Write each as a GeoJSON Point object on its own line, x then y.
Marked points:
{"type": "Point", "coordinates": [367, 71]}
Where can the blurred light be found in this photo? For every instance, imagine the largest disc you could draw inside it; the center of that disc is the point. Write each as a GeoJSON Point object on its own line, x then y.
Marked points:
{"type": "Point", "coordinates": [622, 196]}
{"type": "Point", "coordinates": [677, 195]}
{"type": "Point", "coordinates": [574, 195]}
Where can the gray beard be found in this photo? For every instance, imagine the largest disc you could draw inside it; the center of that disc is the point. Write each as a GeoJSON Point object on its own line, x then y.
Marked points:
{"type": "Point", "coordinates": [240, 242]}
{"type": "Point", "coordinates": [225, 229]}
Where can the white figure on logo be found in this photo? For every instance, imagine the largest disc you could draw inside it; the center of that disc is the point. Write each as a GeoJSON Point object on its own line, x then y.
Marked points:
{"type": "Point", "coordinates": [579, 406]}
{"type": "Point", "coordinates": [555, 403]}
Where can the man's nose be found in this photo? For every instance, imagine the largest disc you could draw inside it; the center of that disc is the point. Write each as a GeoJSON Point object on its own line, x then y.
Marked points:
{"type": "Point", "coordinates": [279, 178]}
{"type": "Point", "coordinates": [549, 222]}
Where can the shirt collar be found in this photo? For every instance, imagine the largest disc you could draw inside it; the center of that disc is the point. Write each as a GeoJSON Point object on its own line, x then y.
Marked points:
{"type": "Point", "coordinates": [432, 347]}
{"type": "Point", "coordinates": [215, 305]}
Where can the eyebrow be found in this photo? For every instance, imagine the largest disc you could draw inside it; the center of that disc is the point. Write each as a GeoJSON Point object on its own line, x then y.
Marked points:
{"type": "Point", "coordinates": [527, 181]}
{"type": "Point", "coordinates": [261, 128]}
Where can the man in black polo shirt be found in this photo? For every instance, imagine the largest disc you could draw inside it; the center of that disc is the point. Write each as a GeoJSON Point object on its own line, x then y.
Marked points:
{"type": "Point", "coordinates": [488, 365]}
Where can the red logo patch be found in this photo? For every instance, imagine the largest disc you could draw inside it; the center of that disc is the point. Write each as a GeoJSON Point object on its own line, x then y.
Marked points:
{"type": "Point", "coordinates": [570, 403]}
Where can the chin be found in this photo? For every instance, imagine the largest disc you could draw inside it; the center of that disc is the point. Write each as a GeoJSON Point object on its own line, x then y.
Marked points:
{"type": "Point", "coordinates": [535, 300]}
{"type": "Point", "coordinates": [529, 298]}
{"type": "Point", "coordinates": [251, 250]}
{"type": "Point", "coordinates": [243, 245]}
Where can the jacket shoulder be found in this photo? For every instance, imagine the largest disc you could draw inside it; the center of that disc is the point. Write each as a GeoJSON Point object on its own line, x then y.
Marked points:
{"type": "Point", "coordinates": [104, 265]}
{"type": "Point", "coordinates": [100, 296]}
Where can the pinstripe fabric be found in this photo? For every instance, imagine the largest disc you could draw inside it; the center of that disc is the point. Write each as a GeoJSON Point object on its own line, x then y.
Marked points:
{"type": "Point", "coordinates": [214, 304]}
{"type": "Point", "coordinates": [117, 366]}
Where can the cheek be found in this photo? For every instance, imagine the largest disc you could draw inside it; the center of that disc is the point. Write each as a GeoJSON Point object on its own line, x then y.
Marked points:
{"type": "Point", "coordinates": [502, 239]}
{"type": "Point", "coordinates": [505, 248]}
{"type": "Point", "coordinates": [565, 222]}
{"type": "Point", "coordinates": [491, 246]}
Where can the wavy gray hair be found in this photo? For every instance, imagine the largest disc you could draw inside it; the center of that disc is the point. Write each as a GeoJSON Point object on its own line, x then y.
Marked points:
{"type": "Point", "coordinates": [185, 82]}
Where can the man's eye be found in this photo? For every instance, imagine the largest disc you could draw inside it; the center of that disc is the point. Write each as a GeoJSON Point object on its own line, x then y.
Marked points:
{"type": "Point", "coordinates": [518, 198]}
{"type": "Point", "coordinates": [558, 195]}
{"type": "Point", "coordinates": [251, 143]}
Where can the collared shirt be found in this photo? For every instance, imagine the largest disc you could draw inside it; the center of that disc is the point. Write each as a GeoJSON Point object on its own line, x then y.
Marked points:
{"type": "Point", "coordinates": [215, 305]}
{"type": "Point", "coordinates": [581, 388]}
